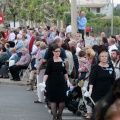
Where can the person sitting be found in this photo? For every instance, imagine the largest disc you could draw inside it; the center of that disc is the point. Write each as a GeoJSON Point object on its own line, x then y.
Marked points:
{"type": "Point", "coordinates": [24, 38]}
{"type": "Point", "coordinates": [3, 58]}
{"type": "Point", "coordinates": [14, 55]}
{"type": "Point", "coordinates": [19, 45]}
{"type": "Point", "coordinates": [12, 60]}
{"type": "Point", "coordinates": [21, 64]}
{"type": "Point", "coordinates": [7, 46]}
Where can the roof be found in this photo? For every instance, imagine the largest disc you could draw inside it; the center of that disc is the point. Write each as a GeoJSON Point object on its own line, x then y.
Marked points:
{"type": "Point", "coordinates": [92, 5]}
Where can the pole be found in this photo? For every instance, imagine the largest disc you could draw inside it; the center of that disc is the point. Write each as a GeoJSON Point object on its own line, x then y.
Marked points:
{"type": "Point", "coordinates": [112, 5]}
{"type": "Point", "coordinates": [73, 17]}
{"type": "Point", "coordinates": [14, 19]}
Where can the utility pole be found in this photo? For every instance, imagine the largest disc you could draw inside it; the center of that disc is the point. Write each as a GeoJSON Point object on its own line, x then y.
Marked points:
{"type": "Point", "coordinates": [73, 17]}
{"type": "Point", "coordinates": [14, 15]}
{"type": "Point", "coordinates": [112, 5]}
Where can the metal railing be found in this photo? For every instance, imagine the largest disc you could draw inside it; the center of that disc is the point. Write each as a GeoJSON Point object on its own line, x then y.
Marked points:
{"type": "Point", "coordinates": [107, 30]}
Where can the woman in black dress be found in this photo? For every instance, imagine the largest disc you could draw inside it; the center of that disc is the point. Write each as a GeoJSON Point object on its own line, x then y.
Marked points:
{"type": "Point", "coordinates": [55, 75]}
{"type": "Point", "coordinates": [101, 78]}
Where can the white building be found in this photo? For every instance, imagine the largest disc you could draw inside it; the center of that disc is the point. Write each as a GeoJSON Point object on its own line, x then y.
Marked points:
{"type": "Point", "coordinates": [96, 6]}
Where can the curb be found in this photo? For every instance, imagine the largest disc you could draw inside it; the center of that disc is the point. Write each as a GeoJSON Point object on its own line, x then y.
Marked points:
{"type": "Point", "coordinates": [13, 83]}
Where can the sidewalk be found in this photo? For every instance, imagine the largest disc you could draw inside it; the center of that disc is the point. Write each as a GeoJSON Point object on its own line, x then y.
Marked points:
{"type": "Point", "coordinates": [17, 83]}
{"type": "Point", "coordinates": [24, 81]}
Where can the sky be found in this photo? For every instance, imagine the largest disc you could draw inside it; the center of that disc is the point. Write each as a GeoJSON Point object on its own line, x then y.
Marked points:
{"type": "Point", "coordinates": [116, 1]}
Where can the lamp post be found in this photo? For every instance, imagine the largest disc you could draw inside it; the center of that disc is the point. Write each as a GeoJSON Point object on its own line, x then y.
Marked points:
{"type": "Point", "coordinates": [112, 5]}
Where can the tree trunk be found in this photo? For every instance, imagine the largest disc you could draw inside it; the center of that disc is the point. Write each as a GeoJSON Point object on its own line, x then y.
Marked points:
{"type": "Point", "coordinates": [58, 24]}
{"type": "Point", "coordinates": [24, 22]}
{"type": "Point", "coordinates": [73, 17]}
{"type": "Point", "coordinates": [61, 24]}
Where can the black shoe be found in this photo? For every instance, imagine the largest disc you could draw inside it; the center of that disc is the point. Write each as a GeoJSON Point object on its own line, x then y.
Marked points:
{"type": "Point", "coordinates": [17, 79]}
{"type": "Point", "coordinates": [1, 76]}
{"type": "Point", "coordinates": [5, 77]}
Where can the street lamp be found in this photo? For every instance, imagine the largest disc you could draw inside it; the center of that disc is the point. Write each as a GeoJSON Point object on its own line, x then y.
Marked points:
{"type": "Point", "coordinates": [112, 5]}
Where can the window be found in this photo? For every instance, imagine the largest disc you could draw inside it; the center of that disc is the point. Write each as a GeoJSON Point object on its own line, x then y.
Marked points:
{"type": "Point", "coordinates": [98, 10]}
{"type": "Point", "coordinates": [88, 9]}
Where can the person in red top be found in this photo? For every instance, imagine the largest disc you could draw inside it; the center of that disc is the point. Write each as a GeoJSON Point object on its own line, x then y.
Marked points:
{"type": "Point", "coordinates": [87, 31]}
{"type": "Point", "coordinates": [31, 40]}
{"type": "Point", "coordinates": [6, 34]}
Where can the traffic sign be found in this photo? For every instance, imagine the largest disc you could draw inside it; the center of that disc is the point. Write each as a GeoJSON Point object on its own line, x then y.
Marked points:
{"type": "Point", "coordinates": [1, 18]}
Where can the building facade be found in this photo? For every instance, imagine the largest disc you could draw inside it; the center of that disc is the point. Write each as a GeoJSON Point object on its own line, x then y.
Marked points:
{"type": "Point", "coordinates": [96, 6]}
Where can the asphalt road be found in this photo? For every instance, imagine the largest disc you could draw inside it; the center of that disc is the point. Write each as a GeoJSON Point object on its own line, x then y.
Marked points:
{"type": "Point", "coordinates": [18, 104]}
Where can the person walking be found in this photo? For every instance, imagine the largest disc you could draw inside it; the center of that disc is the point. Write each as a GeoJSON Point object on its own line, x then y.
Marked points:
{"type": "Point", "coordinates": [55, 76]}
{"type": "Point", "coordinates": [101, 78]}
{"type": "Point", "coordinates": [115, 58]}
{"type": "Point", "coordinates": [109, 107]}
{"type": "Point", "coordinates": [40, 75]}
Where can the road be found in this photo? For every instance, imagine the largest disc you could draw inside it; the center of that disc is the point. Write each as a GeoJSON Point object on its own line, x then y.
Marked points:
{"type": "Point", "coordinates": [18, 104]}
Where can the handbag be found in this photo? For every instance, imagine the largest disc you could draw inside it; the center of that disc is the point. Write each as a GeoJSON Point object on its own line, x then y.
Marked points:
{"type": "Point", "coordinates": [11, 63]}
{"type": "Point", "coordinates": [81, 83]}
{"type": "Point", "coordinates": [73, 73]}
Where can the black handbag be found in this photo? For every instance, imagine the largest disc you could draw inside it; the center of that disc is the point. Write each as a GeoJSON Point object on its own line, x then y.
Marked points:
{"type": "Point", "coordinates": [73, 73]}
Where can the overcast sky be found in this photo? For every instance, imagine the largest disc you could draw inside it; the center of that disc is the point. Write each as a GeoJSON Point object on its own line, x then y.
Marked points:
{"type": "Point", "coordinates": [116, 1]}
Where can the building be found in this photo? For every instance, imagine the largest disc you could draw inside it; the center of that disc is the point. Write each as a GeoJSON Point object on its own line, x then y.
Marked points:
{"type": "Point", "coordinates": [96, 6]}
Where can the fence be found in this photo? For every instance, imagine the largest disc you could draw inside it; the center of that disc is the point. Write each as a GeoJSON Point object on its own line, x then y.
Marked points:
{"type": "Point", "coordinates": [107, 30]}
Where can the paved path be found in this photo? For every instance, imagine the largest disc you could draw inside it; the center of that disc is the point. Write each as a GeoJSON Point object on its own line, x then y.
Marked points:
{"type": "Point", "coordinates": [67, 115]}
{"type": "Point", "coordinates": [18, 104]}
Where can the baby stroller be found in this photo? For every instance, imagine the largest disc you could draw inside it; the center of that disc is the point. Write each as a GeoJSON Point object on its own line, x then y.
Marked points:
{"type": "Point", "coordinates": [73, 102]}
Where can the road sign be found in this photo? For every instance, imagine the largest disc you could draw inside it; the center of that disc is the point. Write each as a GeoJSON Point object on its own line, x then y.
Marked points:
{"type": "Point", "coordinates": [1, 18]}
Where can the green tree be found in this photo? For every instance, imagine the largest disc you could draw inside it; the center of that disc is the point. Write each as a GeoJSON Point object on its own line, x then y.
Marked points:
{"type": "Point", "coordinates": [117, 10]}
{"type": "Point", "coordinates": [83, 9]}
{"type": "Point", "coordinates": [38, 10]}
{"type": "Point", "coordinates": [89, 15]}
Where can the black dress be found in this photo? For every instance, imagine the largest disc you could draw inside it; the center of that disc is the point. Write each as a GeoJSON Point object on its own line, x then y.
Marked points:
{"type": "Point", "coordinates": [102, 80]}
{"type": "Point", "coordinates": [56, 85]}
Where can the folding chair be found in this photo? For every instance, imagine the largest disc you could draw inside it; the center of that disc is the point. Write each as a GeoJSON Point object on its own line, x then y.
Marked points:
{"type": "Point", "coordinates": [26, 72]}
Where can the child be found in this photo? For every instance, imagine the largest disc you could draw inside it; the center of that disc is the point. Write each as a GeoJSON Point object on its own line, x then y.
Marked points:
{"type": "Point", "coordinates": [82, 61]}
{"type": "Point", "coordinates": [79, 41]}
{"type": "Point", "coordinates": [72, 86]}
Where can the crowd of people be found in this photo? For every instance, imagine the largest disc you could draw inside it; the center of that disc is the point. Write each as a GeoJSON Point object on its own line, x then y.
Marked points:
{"type": "Point", "coordinates": [56, 60]}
